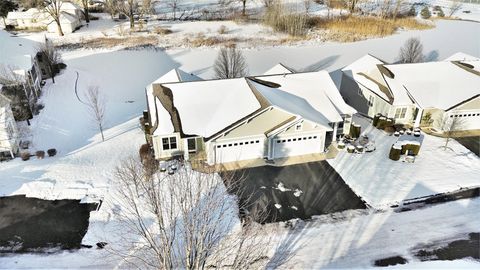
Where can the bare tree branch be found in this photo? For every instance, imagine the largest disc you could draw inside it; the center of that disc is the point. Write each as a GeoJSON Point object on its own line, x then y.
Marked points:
{"type": "Point", "coordinates": [411, 52]}
{"type": "Point", "coordinates": [185, 220]}
{"type": "Point", "coordinates": [230, 63]}
{"type": "Point", "coordinates": [96, 103]}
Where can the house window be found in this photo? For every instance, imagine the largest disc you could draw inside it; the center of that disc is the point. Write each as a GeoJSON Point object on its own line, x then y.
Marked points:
{"type": "Point", "coordinates": [370, 101]}
{"type": "Point", "coordinates": [192, 144]}
{"type": "Point", "coordinates": [400, 112]}
{"type": "Point", "coordinates": [169, 143]}
{"type": "Point", "coordinates": [298, 127]}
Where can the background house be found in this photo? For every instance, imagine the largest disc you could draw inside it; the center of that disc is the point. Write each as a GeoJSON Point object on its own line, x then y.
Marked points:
{"type": "Point", "coordinates": [20, 73]}
{"type": "Point", "coordinates": [429, 94]}
{"type": "Point", "coordinates": [8, 129]}
{"type": "Point", "coordinates": [70, 19]}
{"type": "Point", "coordinates": [262, 117]}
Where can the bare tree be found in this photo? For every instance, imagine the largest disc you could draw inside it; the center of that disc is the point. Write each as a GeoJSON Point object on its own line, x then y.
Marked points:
{"type": "Point", "coordinates": [243, 2]}
{"type": "Point", "coordinates": [128, 8]}
{"type": "Point", "coordinates": [96, 104]}
{"type": "Point", "coordinates": [352, 5]}
{"type": "Point", "coordinates": [174, 6]}
{"type": "Point", "coordinates": [54, 9]}
{"type": "Point", "coordinates": [147, 7]}
{"type": "Point", "coordinates": [455, 6]}
{"type": "Point", "coordinates": [399, 5]}
{"type": "Point", "coordinates": [110, 7]}
{"type": "Point", "coordinates": [411, 52]}
{"type": "Point", "coordinates": [307, 4]}
{"type": "Point", "coordinates": [230, 63]}
{"type": "Point", "coordinates": [51, 56]}
{"type": "Point", "coordinates": [85, 10]}
{"type": "Point", "coordinates": [450, 125]}
{"type": "Point", "coordinates": [185, 220]}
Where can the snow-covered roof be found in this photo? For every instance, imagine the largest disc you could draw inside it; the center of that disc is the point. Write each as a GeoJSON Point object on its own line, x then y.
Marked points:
{"type": "Point", "coordinates": [165, 125]}
{"type": "Point", "coordinates": [460, 56]}
{"type": "Point", "coordinates": [365, 72]}
{"type": "Point", "coordinates": [311, 95]}
{"type": "Point", "coordinates": [434, 84]}
{"type": "Point", "coordinates": [16, 52]}
{"type": "Point", "coordinates": [207, 107]}
{"type": "Point", "coordinates": [70, 6]}
{"type": "Point", "coordinates": [177, 75]}
{"type": "Point", "coordinates": [279, 69]}
{"type": "Point", "coordinates": [28, 14]}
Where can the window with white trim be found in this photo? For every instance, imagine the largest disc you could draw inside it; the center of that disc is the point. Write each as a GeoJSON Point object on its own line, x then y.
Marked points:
{"type": "Point", "coordinates": [370, 101]}
{"type": "Point", "coordinates": [169, 143]}
{"type": "Point", "coordinates": [400, 112]}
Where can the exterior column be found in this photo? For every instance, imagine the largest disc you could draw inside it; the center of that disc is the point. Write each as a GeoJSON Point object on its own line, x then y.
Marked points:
{"type": "Point", "coordinates": [334, 136]}
{"type": "Point", "coordinates": [418, 118]}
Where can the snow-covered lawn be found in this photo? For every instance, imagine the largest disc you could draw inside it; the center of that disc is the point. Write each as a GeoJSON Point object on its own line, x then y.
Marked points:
{"type": "Point", "coordinates": [355, 239]}
{"type": "Point", "coordinates": [84, 164]}
{"type": "Point", "coordinates": [382, 182]}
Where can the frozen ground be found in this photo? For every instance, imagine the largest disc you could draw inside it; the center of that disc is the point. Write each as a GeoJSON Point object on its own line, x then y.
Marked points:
{"type": "Point", "coordinates": [84, 164]}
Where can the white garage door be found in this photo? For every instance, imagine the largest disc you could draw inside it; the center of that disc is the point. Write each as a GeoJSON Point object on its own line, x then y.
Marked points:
{"type": "Point", "coordinates": [239, 150]}
{"type": "Point", "coordinates": [468, 120]}
{"type": "Point", "coordinates": [297, 145]}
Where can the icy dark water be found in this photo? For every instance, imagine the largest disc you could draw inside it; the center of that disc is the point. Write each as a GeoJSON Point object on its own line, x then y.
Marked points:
{"type": "Point", "coordinates": [30, 224]}
{"type": "Point", "coordinates": [296, 191]}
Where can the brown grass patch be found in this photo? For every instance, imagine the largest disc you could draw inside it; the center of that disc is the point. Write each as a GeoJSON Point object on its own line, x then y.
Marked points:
{"type": "Point", "coordinates": [200, 40]}
{"type": "Point", "coordinates": [352, 28]}
{"type": "Point", "coordinates": [110, 42]}
{"type": "Point", "coordinates": [161, 30]}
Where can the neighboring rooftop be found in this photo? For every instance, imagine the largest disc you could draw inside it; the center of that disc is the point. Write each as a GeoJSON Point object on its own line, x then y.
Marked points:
{"type": "Point", "coordinates": [15, 51]}
{"type": "Point", "coordinates": [460, 56]}
{"type": "Point", "coordinates": [279, 69]}
{"type": "Point", "coordinates": [434, 84]}
{"type": "Point", "coordinates": [365, 72]}
{"type": "Point", "coordinates": [442, 84]}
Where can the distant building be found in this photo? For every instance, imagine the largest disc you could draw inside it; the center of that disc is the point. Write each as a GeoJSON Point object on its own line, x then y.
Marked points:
{"type": "Point", "coordinates": [70, 19]}
{"type": "Point", "coordinates": [432, 94]}
{"type": "Point", "coordinates": [260, 117]}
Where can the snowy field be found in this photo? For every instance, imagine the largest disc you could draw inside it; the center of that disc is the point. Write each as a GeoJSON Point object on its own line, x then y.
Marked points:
{"type": "Point", "coordinates": [84, 164]}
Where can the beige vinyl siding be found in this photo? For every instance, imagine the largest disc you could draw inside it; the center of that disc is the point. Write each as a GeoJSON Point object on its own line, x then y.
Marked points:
{"type": "Point", "coordinates": [259, 124]}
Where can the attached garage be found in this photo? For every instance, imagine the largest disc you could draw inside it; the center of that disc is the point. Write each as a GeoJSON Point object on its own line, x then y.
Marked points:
{"type": "Point", "coordinates": [231, 151]}
{"type": "Point", "coordinates": [466, 120]}
{"type": "Point", "coordinates": [298, 144]}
